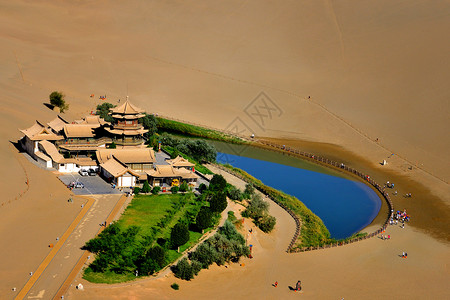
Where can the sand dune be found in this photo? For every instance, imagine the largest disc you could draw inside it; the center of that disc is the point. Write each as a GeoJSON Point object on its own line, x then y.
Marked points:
{"type": "Point", "coordinates": [372, 69]}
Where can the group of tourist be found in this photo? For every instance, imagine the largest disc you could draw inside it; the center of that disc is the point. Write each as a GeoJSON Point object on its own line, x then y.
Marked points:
{"type": "Point", "coordinates": [400, 216]}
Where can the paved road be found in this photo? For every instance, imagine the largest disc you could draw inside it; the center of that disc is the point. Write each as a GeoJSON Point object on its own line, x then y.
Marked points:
{"type": "Point", "coordinates": [93, 185]}
{"type": "Point", "coordinates": [62, 263]}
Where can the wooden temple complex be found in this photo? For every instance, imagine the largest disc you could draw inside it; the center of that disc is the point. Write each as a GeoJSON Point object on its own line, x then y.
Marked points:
{"type": "Point", "coordinates": [87, 144]}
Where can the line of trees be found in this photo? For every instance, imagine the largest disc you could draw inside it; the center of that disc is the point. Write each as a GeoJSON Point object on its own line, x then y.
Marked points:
{"type": "Point", "coordinates": [199, 150]}
{"type": "Point", "coordinates": [227, 245]}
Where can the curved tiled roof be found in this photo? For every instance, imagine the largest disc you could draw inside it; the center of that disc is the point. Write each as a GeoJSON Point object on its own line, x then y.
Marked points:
{"type": "Point", "coordinates": [127, 109]}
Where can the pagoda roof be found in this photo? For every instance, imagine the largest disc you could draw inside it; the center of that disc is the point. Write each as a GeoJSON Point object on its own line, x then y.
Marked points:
{"type": "Point", "coordinates": [92, 120]}
{"type": "Point", "coordinates": [127, 109]}
{"type": "Point", "coordinates": [57, 124]}
{"type": "Point", "coordinates": [127, 156]}
{"type": "Point", "coordinates": [180, 162]}
{"type": "Point", "coordinates": [114, 167]}
{"type": "Point", "coordinates": [128, 117]}
{"type": "Point", "coordinates": [161, 171]}
{"type": "Point", "coordinates": [39, 132]}
{"type": "Point", "coordinates": [51, 151]}
{"type": "Point", "coordinates": [80, 130]}
{"type": "Point", "coordinates": [127, 131]}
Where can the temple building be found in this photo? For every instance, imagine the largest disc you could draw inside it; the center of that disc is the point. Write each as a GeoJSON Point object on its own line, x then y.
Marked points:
{"type": "Point", "coordinates": [85, 144]}
{"type": "Point", "coordinates": [126, 130]}
{"type": "Point", "coordinates": [35, 134]}
{"type": "Point", "coordinates": [180, 162]}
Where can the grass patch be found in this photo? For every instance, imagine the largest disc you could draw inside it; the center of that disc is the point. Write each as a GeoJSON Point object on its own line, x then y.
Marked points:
{"type": "Point", "coordinates": [192, 130]}
{"type": "Point", "coordinates": [146, 211]}
{"type": "Point", "coordinates": [107, 277]}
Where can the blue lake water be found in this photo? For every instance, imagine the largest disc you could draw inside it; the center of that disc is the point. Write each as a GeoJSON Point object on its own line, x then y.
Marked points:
{"type": "Point", "coordinates": [344, 205]}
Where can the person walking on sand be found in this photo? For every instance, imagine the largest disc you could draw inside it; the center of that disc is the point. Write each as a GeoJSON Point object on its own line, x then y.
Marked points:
{"type": "Point", "coordinates": [275, 284]}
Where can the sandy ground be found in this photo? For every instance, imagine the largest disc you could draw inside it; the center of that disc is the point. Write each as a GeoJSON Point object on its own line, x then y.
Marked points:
{"type": "Point", "coordinates": [371, 69]}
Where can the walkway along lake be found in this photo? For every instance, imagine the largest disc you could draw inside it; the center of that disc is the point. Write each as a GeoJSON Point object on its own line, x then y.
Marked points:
{"type": "Point", "coordinates": [346, 206]}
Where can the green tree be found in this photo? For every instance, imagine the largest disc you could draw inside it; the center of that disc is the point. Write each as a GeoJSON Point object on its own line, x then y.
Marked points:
{"type": "Point", "coordinates": [57, 99]}
{"type": "Point", "coordinates": [218, 202]}
{"type": "Point", "coordinates": [158, 254]}
{"type": "Point", "coordinates": [146, 187]}
{"type": "Point", "coordinates": [103, 111]}
{"type": "Point", "coordinates": [112, 145]}
{"type": "Point", "coordinates": [149, 122]}
{"type": "Point", "coordinates": [217, 183]}
{"type": "Point", "coordinates": [179, 235]}
{"type": "Point", "coordinates": [203, 219]}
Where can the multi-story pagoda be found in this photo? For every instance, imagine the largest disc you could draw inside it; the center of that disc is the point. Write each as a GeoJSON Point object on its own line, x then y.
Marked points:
{"type": "Point", "coordinates": [126, 130]}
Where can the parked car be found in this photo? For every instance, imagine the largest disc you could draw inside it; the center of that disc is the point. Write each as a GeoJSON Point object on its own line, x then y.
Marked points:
{"type": "Point", "coordinates": [92, 172]}
{"type": "Point", "coordinates": [75, 185]}
{"type": "Point", "coordinates": [83, 172]}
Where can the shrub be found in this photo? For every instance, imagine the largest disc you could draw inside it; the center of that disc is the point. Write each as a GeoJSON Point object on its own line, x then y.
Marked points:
{"type": "Point", "coordinates": [196, 267]}
{"type": "Point", "coordinates": [183, 187]}
{"type": "Point", "coordinates": [202, 187]}
{"type": "Point", "coordinates": [234, 193]}
{"type": "Point", "coordinates": [249, 191]}
{"type": "Point", "coordinates": [183, 270]}
{"type": "Point", "coordinates": [257, 207]}
{"type": "Point", "coordinates": [174, 189]}
{"type": "Point", "coordinates": [231, 216]}
{"type": "Point", "coordinates": [266, 223]}
{"type": "Point", "coordinates": [57, 99]}
{"type": "Point", "coordinates": [205, 254]}
{"type": "Point", "coordinates": [112, 145]}
{"type": "Point", "coordinates": [136, 190]}
{"type": "Point", "coordinates": [175, 286]}
{"type": "Point", "coordinates": [156, 190]}
{"type": "Point", "coordinates": [146, 187]}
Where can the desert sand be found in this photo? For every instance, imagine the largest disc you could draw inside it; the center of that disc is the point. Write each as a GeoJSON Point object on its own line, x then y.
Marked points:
{"type": "Point", "coordinates": [341, 73]}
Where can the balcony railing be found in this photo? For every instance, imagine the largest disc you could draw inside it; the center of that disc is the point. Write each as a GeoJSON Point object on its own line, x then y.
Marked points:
{"type": "Point", "coordinates": [85, 142]}
{"type": "Point", "coordinates": [128, 126]}
{"type": "Point", "coordinates": [129, 141]}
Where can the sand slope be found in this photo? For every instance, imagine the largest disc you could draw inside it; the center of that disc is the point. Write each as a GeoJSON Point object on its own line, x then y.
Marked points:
{"type": "Point", "coordinates": [374, 69]}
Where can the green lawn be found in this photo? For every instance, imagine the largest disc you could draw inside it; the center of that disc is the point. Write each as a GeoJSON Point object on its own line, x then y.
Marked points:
{"type": "Point", "coordinates": [107, 277]}
{"type": "Point", "coordinates": [146, 211]}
